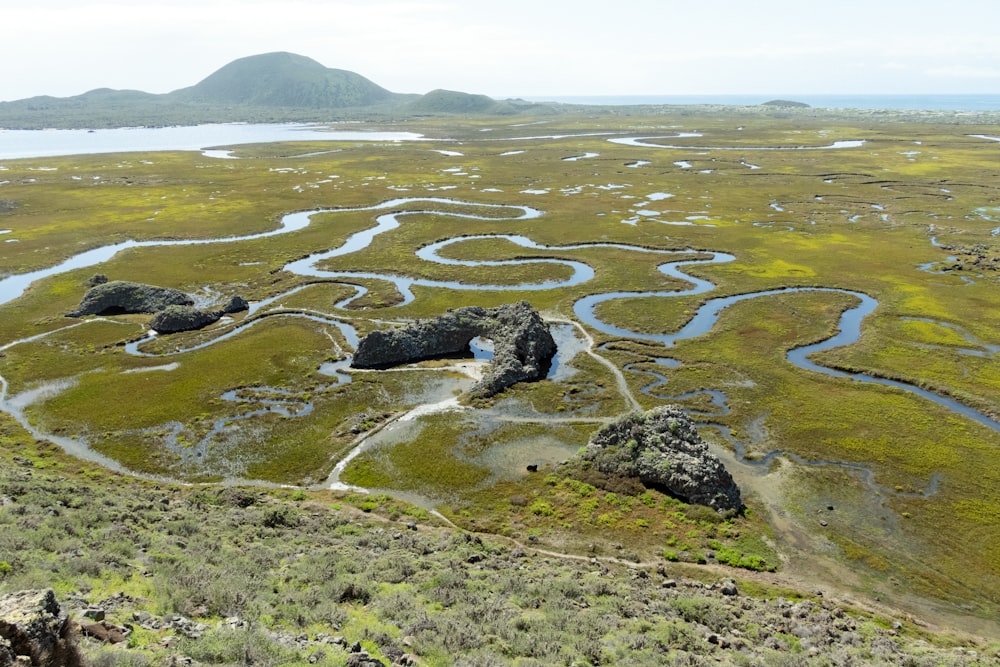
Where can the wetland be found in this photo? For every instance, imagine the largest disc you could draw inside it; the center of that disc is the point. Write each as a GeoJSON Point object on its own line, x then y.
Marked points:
{"type": "Point", "coordinates": [790, 284]}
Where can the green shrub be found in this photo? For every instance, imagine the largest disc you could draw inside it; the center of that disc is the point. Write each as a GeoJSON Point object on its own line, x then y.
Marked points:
{"type": "Point", "coordinates": [541, 508]}
{"type": "Point", "coordinates": [227, 646]}
{"type": "Point", "coordinates": [280, 516]}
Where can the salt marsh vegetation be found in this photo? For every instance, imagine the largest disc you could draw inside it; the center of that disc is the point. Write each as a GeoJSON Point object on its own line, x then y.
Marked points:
{"type": "Point", "coordinates": [809, 212]}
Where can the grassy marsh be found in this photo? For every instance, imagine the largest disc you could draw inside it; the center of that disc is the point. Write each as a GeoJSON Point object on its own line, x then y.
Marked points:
{"type": "Point", "coordinates": [858, 218]}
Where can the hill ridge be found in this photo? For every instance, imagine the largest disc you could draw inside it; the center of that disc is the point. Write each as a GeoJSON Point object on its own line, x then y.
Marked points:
{"type": "Point", "coordinates": [279, 86]}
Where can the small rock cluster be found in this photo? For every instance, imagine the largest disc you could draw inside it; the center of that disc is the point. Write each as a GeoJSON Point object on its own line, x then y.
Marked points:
{"type": "Point", "coordinates": [187, 318]}
{"type": "Point", "coordinates": [663, 450]}
{"type": "Point", "coordinates": [172, 310]}
{"type": "Point", "coordinates": [523, 345]}
{"type": "Point", "coordinates": [979, 257]}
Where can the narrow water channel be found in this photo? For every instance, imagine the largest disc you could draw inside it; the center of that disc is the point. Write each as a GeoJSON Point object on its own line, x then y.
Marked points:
{"type": "Point", "coordinates": [704, 320]}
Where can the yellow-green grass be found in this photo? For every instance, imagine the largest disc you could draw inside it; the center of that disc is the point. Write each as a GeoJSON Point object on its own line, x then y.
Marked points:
{"type": "Point", "coordinates": [860, 219]}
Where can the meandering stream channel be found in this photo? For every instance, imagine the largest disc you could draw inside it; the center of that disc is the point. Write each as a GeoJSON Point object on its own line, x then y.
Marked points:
{"type": "Point", "coordinates": [310, 267]}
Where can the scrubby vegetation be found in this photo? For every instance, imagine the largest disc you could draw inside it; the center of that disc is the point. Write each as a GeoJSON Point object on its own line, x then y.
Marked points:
{"type": "Point", "coordinates": [230, 575]}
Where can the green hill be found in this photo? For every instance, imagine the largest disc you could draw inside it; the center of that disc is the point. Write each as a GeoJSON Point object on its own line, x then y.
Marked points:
{"type": "Point", "coordinates": [450, 101]}
{"type": "Point", "coordinates": [285, 80]}
{"type": "Point", "coordinates": [265, 88]}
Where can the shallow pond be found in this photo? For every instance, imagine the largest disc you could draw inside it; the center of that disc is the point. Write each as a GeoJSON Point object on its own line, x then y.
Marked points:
{"type": "Point", "coordinates": [17, 144]}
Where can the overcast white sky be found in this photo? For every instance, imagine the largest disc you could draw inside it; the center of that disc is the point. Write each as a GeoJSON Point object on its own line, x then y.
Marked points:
{"type": "Point", "coordinates": [512, 48]}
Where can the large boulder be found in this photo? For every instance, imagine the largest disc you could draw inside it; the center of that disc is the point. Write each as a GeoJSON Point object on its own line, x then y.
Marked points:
{"type": "Point", "coordinates": [522, 344]}
{"type": "Point", "coordinates": [35, 631]}
{"type": "Point", "coordinates": [236, 304]}
{"type": "Point", "coordinates": [664, 451]}
{"type": "Point", "coordinates": [182, 318]}
{"type": "Point", "coordinates": [123, 296]}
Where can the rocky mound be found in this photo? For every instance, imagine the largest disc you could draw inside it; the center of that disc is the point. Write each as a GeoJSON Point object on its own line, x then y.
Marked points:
{"type": "Point", "coordinates": [35, 631]}
{"type": "Point", "coordinates": [123, 296]}
{"type": "Point", "coordinates": [173, 319]}
{"type": "Point", "coordinates": [173, 309]}
{"type": "Point", "coordinates": [523, 346]}
{"type": "Point", "coordinates": [663, 450]}
{"type": "Point", "coordinates": [182, 318]}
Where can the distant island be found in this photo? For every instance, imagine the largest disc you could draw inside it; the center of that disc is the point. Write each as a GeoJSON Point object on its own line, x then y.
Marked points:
{"type": "Point", "coordinates": [786, 103]}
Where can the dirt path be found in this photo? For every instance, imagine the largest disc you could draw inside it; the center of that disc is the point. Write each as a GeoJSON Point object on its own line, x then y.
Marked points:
{"type": "Point", "coordinates": [623, 387]}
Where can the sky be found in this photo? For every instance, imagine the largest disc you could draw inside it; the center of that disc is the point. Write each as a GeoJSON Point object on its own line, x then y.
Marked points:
{"type": "Point", "coordinates": [514, 48]}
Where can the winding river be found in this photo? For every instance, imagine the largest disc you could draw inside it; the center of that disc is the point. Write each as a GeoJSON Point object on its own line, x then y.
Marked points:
{"type": "Point", "coordinates": [647, 142]}
{"type": "Point", "coordinates": [310, 267]}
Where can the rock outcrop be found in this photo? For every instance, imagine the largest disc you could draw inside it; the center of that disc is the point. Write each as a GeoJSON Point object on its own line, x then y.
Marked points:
{"type": "Point", "coordinates": [35, 631]}
{"type": "Point", "coordinates": [172, 309]}
{"type": "Point", "coordinates": [236, 304]}
{"type": "Point", "coordinates": [123, 296]}
{"type": "Point", "coordinates": [182, 318]}
{"type": "Point", "coordinates": [663, 450]}
{"type": "Point", "coordinates": [523, 346]}
{"type": "Point", "coordinates": [173, 319]}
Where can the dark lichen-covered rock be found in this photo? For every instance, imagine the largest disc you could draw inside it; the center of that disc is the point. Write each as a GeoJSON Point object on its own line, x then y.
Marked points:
{"type": "Point", "coordinates": [35, 631]}
{"type": "Point", "coordinates": [236, 304]}
{"type": "Point", "coordinates": [523, 346]}
{"type": "Point", "coordinates": [182, 318]}
{"type": "Point", "coordinates": [172, 309]}
{"type": "Point", "coordinates": [663, 450]}
{"type": "Point", "coordinates": [122, 296]}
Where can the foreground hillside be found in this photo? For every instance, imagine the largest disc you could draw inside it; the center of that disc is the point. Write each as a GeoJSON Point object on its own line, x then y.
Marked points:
{"type": "Point", "coordinates": [228, 575]}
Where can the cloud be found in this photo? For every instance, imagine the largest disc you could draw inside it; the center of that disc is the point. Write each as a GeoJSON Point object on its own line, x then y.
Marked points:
{"type": "Point", "coordinates": [964, 72]}
{"type": "Point", "coordinates": [522, 47]}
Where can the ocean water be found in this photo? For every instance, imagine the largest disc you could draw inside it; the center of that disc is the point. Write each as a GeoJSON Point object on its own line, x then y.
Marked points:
{"type": "Point", "coordinates": [977, 102]}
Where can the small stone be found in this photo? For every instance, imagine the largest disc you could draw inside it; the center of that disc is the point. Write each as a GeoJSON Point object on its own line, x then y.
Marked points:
{"type": "Point", "coordinates": [94, 614]}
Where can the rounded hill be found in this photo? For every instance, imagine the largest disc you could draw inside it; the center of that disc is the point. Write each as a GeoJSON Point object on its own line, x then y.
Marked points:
{"type": "Point", "coordinates": [454, 102]}
{"type": "Point", "coordinates": [285, 80]}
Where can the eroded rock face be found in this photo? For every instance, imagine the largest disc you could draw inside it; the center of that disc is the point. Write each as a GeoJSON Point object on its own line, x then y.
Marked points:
{"type": "Point", "coordinates": [35, 631]}
{"type": "Point", "coordinates": [663, 450]}
{"type": "Point", "coordinates": [172, 309]}
{"type": "Point", "coordinates": [523, 346]}
{"type": "Point", "coordinates": [182, 318]}
{"type": "Point", "coordinates": [123, 296]}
